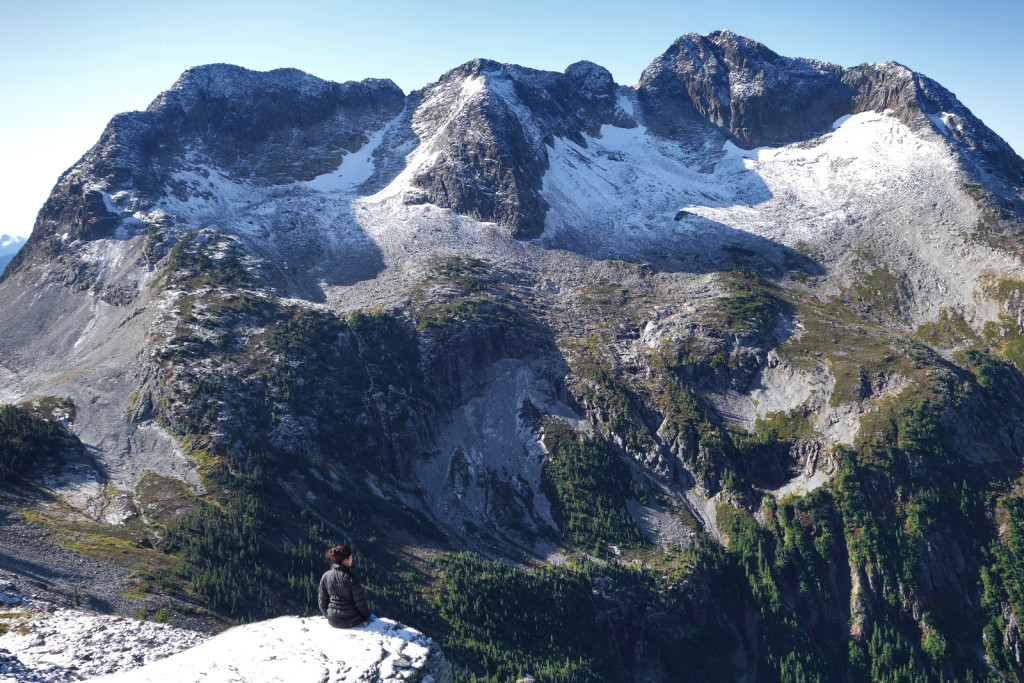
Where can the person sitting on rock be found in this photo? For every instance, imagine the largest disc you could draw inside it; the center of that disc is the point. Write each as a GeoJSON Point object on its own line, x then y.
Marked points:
{"type": "Point", "coordinates": [341, 595]}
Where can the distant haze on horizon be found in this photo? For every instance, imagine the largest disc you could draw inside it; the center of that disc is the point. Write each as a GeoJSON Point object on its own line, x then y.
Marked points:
{"type": "Point", "coordinates": [66, 70]}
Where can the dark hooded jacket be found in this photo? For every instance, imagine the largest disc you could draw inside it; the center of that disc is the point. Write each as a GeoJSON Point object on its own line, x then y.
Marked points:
{"type": "Point", "coordinates": [341, 597]}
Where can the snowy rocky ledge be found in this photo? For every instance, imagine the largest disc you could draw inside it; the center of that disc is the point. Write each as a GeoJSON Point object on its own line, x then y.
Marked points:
{"type": "Point", "coordinates": [40, 643]}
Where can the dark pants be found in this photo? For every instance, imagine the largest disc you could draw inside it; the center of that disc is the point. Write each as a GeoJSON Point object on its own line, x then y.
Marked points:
{"type": "Point", "coordinates": [344, 623]}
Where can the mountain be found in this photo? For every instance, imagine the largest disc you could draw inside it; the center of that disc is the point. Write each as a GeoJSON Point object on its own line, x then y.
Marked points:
{"type": "Point", "coordinates": [9, 246]}
{"type": "Point", "coordinates": [724, 365]}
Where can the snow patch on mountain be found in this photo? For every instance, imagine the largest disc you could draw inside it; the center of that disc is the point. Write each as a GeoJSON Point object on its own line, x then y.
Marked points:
{"type": "Point", "coordinates": [620, 195]}
{"type": "Point", "coordinates": [871, 165]}
{"type": "Point", "coordinates": [628, 185]}
{"type": "Point", "coordinates": [871, 181]}
{"type": "Point", "coordinates": [41, 643]}
{"type": "Point", "coordinates": [356, 168]}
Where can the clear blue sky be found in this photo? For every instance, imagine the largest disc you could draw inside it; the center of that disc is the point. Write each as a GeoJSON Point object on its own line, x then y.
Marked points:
{"type": "Point", "coordinates": [67, 67]}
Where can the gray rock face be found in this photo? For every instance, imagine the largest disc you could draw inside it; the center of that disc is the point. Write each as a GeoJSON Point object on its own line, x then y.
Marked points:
{"type": "Point", "coordinates": [305, 201]}
{"type": "Point", "coordinates": [274, 127]}
{"type": "Point", "coordinates": [264, 128]}
{"type": "Point", "coordinates": [759, 98]}
{"type": "Point", "coordinates": [490, 123]}
{"type": "Point", "coordinates": [754, 95]}
{"type": "Point", "coordinates": [484, 128]}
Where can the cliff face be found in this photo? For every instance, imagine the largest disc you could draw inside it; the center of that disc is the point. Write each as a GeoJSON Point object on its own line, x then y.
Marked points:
{"type": "Point", "coordinates": [729, 358]}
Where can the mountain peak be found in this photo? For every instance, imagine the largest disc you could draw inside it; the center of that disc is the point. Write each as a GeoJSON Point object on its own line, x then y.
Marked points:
{"type": "Point", "coordinates": [593, 79]}
{"type": "Point", "coordinates": [228, 81]}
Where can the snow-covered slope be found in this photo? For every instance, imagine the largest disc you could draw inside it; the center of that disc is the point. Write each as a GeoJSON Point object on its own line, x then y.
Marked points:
{"type": "Point", "coordinates": [567, 160]}
{"type": "Point", "coordinates": [872, 184]}
{"type": "Point", "coordinates": [601, 211]}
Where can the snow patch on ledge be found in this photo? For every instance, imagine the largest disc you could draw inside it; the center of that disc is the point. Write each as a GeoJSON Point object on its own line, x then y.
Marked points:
{"type": "Point", "coordinates": [302, 649]}
{"type": "Point", "coordinates": [355, 169]}
{"type": "Point", "coordinates": [44, 644]}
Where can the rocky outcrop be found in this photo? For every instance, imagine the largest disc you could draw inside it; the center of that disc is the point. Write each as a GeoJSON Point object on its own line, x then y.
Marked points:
{"type": "Point", "coordinates": [275, 268]}
{"type": "Point", "coordinates": [41, 643]}
{"type": "Point", "coordinates": [489, 124]}
{"type": "Point", "coordinates": [758, 98]}
{"type": "Point", "coordinates": [263, 128]}
{"type": "Point", "coordinates": [300, 649]}
{"type": "Point", "coordinates": [740, 86]}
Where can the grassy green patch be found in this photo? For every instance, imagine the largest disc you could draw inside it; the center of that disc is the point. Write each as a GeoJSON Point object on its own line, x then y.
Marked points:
{"type": "Point", "coordinates": [163, 499]}
{"type": "Point", "coordinates": [129, 546]}
{"type": "Point", "coordinates": [1006, 339]}
{"type": "Point", "coordinates": [443, 316]}
{"type": "Point", "coordinates": [608, 391]}
{"type": "Point", "coordinates": [1009, 293]}
{"type": "Point", "coordinates": [613, 301]}
{"type": "Point", "coordinates": [752, 302]}
{"type": "Point", "coordinates": [855, 350]}
{"type": "Point", "coordinates": [461, 290]}
{"type": "Point", "coordinates": [883, 290]}
{"type": "Point", "coordinates": [785, 425]}
{"type": "Point", "coordinates": [206, 258]}
{"type": "Point", "coordinates": [949, 331]}
{"type": "Point", "coordinates": [696, 355]}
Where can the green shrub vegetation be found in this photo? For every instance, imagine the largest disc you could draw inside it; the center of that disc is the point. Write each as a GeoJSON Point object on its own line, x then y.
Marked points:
{"type": "Point", "coordinates": [949, 331]}
{"type": "Point", "coordinates": [883, 290]}
{"type": "Point", "coordinates": [509, 622]}
{"type": "Point", "coordinates": [613, 301]}
{"type": "Point", "coordinates": [206, 258]}
{"type": "Point", "coordinates": [789, 426]}
{"type": "Point", "coordinates": [461, 290]}
{"type": "Point", "coordinates": [28, 440]}
{"type": "Point", "coordinates": [588, 485]}
{"type": "Point", "coordinates": [752, 302]}
{"type": "Point", "coordinates": [856, 350]}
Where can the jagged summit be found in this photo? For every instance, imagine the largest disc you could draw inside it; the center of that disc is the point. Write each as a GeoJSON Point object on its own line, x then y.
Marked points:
{"type": "Point", "coordinates": [742, 87]}
{"type": "Point", "coordinates": [760, 98]}
{"type": "Point", "coordinates": [478, 140]}
{"type": "Point", "coordinates": [229, 80]}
